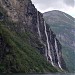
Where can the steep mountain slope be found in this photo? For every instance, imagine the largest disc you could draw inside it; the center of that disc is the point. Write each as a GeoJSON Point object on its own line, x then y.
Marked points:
{"type": "Point", "coordinates": [64, 27]}
{"type": "Point", "coordinates": [27, 43]}
{"type": "Point", "coordinates": [17, 55]}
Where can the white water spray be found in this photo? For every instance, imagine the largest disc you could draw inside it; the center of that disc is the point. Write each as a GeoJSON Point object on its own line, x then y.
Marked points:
{"type": "Point", "coordinates": [57, 54]}
{"type": "Point", "coordinates": [49, 53]}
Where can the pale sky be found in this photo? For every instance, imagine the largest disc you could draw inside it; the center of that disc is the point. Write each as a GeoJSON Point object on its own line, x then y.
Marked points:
{"type": "Point", "coordinates": [62, 5]}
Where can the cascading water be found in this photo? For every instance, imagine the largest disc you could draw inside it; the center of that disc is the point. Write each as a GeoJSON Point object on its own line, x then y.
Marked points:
{"type": "Point", "coordinates": [49, 53]}
{"type": "Point", "coordinates": [40, 36]}
{"type": "Point", "coordinates": [38, 25]}
{"type": "Point", "coordinates": [57, 54]}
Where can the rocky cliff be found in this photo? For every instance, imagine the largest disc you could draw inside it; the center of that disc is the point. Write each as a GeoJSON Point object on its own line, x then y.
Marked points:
{"type": "Point", "coordinates": [21, 17]}
{"type": "Point", "coordinates": [63, 26]}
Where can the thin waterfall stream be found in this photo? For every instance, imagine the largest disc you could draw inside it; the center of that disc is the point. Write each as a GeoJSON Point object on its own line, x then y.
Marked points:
{"type": "Point", "coordinates": [49, 53]}
{"type": "Point", "coordinates": [40, 36]}
{"type": "Point", "coordinates": [57, 54]}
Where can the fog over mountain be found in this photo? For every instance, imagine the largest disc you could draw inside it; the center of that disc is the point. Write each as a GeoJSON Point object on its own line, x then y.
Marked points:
{"type": "Point", "coordinates": [62, 5]}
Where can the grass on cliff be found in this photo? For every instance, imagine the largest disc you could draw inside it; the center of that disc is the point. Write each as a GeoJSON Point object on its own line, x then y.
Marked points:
{"type": "Point", "coordinates": [69, 56]}
{"type": "Point", "coordinates": [22, 57]}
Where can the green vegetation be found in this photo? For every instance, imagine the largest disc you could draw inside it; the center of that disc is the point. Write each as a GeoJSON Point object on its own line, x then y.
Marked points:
{"type": "Point", "coordinates": [19, 56]}
{"type": "Point", "coordinates": [69, 57]}
{"type": "Point", "coordinates": [68, 51]}
{"type": "Point", "coordinates": [64, 28]}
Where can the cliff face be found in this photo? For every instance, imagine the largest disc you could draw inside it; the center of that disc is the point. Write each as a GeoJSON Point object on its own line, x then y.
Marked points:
{"type": "Point", "coordinates": [26, 18]}
{"type": "Point", "coordinates": [63, 26]}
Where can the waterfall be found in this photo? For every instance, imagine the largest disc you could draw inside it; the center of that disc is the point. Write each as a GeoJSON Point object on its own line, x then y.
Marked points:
{"type": "Point", "coordinates": [40, 36]}
{"type": "Point", "coordinates": [38, 25]}
{"type": "Point", "coordinates": [49, 53]}
{"type": "Point", "coordinates": [56, 47]}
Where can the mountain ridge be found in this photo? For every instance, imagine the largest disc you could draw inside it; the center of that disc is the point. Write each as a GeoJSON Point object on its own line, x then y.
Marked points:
{"type": "Point", "coordinates": [63, 26]}
{"type": "Point", "coordinates": [29, 36]}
